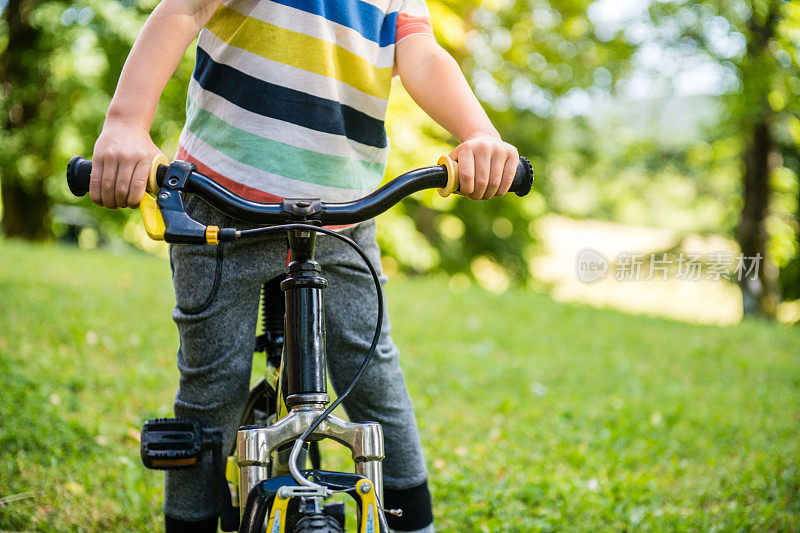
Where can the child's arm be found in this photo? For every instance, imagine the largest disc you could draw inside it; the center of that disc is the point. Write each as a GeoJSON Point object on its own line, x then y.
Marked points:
{"type": "Point", "coordinates": [486, 164]}
{"type": "Point", "coordinates": [124, 150]}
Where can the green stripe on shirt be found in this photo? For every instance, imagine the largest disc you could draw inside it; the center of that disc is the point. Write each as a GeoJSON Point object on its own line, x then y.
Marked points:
{"type": "Point", "coordinates": [280, 158]}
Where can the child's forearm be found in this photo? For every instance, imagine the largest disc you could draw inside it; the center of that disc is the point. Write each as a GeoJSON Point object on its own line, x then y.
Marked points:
{"type": "Point", "coordinates": [434, 80]}
{"type": "Point", "coordinates": [155, 55]}
{"type": "Point", "coordinates": [124, 151]}
{"type": "Point", "coordinates": [486, 164]}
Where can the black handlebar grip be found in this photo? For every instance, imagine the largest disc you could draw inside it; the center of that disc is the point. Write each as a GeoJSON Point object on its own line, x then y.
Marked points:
{"type": "Point", "coordinates": [79, 172]}
{"type": "Point", "coordinates": [523, 179]}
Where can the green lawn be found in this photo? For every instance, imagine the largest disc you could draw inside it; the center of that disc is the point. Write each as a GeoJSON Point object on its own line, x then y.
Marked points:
{"type": "Point", "coordinates": [535, 415]}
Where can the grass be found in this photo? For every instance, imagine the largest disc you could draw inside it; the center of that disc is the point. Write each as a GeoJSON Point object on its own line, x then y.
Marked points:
{"type": "Point", "coordinates": [534, 415]}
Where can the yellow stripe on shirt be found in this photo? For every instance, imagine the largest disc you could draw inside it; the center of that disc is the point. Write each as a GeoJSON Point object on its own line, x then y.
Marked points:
{"type": "Point", "coordinates": [301, 51]}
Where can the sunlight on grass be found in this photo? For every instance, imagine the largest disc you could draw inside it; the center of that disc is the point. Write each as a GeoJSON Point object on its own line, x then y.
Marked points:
{"type": "Point", "coordinates": [705, 301]}
{"type": "Point", "coordinates": [535, 415]}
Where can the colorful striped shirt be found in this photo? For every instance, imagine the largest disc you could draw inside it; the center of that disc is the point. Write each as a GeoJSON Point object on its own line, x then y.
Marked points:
{"type": "Point", "coordinates": [288, 97]}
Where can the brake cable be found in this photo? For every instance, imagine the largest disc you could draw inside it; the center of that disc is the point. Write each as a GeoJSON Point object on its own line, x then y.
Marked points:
{"type": "Point", "coordinates": [298, 444]}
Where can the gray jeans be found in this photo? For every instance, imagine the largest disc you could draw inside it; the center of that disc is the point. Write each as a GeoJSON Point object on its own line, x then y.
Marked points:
{"type": "Point", "coordinates": [217, 291]}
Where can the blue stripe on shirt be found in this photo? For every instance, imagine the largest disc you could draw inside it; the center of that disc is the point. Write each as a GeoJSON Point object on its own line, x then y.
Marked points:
{"type": "Point", "coordinates": [366, 19]}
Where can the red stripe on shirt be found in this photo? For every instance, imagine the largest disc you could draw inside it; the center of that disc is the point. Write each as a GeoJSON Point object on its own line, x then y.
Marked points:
{"type": "Point", "coordinates": [409, 25]}
{"type": "Point", "coordinates": [244, 191]}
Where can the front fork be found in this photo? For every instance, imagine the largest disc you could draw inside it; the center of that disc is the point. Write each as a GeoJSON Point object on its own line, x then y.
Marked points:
{"type": "Point", "coordinates": [257, 445]}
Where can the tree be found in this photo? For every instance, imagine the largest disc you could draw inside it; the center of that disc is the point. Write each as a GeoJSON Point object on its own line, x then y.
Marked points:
{"type": "Point", "coordinates": [762, 110]}
{"type": "Point", "coordinates": [28, 106]}
{"type": "Point", "coordinates": [59, 62]}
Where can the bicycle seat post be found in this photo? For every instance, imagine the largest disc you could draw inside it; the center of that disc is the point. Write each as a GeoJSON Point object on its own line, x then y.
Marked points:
{"type": "Point", "coordinates": [304, 339]}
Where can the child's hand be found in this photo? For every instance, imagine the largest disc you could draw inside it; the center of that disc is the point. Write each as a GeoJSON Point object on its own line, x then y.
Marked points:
{"type": "Point", "coordinates": [486, 166]}
{"type": "Point", "coordinates": [121, 165]}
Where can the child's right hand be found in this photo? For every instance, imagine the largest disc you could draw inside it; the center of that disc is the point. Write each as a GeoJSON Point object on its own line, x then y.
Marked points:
{"type": "Point", "coordinates": [121, 165]}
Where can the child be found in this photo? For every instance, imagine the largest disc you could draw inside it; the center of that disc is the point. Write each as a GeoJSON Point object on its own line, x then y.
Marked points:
{"type": "Point", "coordinates": [288, 99]}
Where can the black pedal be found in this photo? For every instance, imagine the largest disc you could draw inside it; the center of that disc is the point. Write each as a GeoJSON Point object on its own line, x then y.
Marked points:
{"type": "Point", "coordinates": [171, 443]}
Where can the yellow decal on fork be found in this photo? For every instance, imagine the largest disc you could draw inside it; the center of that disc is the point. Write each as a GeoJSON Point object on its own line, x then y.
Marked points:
{"type": "Point", "coordinates": [277, 515]}
{"type": "Point", "coordinates": [232, 475]}
{"type": "Point", "coordinates": [369, 507]}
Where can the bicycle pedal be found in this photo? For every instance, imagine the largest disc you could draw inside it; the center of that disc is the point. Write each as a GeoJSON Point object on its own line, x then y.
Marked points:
{"type": "Point", "coordinates": [171, 443]}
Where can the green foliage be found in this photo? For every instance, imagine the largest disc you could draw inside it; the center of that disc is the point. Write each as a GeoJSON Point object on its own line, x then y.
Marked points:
{"type": "Point", "coordinates": [527, 59]}
{"type": "Point", "coordinates": [534, 416]}
{"type": "Point", "coordinates": [757, 42]}
{"type": "Point", "coordinates": [521, 58]}
{"type": "Point", "coordinates": [687, 184]}
{"type": "Point", "coordinates": [78, 58]}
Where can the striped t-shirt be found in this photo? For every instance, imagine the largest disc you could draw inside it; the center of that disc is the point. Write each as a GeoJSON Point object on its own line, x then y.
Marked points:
{"type": "Point", "coordinates": [288, 97]}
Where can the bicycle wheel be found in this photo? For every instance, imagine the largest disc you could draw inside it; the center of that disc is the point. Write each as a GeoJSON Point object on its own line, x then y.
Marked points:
{"type": "Point", "coordinates": [260, 406]}
{"type": "Point", "coordinates": [317, 523]}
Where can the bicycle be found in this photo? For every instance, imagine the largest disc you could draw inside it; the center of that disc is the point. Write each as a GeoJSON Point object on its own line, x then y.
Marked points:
{"type": "Point", "coordinates": [288, 410]}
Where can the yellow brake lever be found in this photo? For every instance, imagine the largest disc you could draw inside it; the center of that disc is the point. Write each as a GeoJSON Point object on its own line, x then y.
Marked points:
{"type": "Point", "coordinates": [151, 214]}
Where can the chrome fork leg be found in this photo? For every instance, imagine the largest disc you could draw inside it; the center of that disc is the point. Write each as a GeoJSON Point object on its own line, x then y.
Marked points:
{"type": "Point", "coordinates": [256, 445]}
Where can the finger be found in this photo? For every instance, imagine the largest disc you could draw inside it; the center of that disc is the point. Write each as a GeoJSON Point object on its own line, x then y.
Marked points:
{"type": "Point", "coordinates": [482, 167]}
{"type": "Point", "coordinates": [466, 171]}
{"type": "Point", "coordinates": [94, 182]}
{"type": "Point", "coordinates": [509, 170]}
{"type": "Point", "coordinates": [138, 184]}
{"type": "Point", "coordinates": [123, 183]}
{"type": "Point", "coordinates": [495, 173]}
{"type": "Point", "coordinates": [107, 183]}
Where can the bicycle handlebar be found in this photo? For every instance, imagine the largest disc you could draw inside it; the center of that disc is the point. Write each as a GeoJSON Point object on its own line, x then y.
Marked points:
{"type": "Point", "coordinates": [183, 177]}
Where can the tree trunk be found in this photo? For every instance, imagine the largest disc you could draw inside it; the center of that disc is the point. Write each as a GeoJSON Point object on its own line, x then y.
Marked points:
{"type": "Point", "coordinates": [25, 210]}
{"type": "Point", "coordinates": [24, 90]}
{"type": "Point", "coordinates": [759, 295]}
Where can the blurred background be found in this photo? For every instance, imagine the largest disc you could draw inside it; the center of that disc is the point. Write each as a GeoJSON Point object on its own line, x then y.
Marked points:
{"type": "Point", "coordinates": [681, 116]}
{"type": "Point", "coordinates": [662, 133]}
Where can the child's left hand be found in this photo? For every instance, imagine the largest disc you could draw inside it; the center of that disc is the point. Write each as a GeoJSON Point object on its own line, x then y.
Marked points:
{"type": "Point", "coordinates": [486, 166]}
